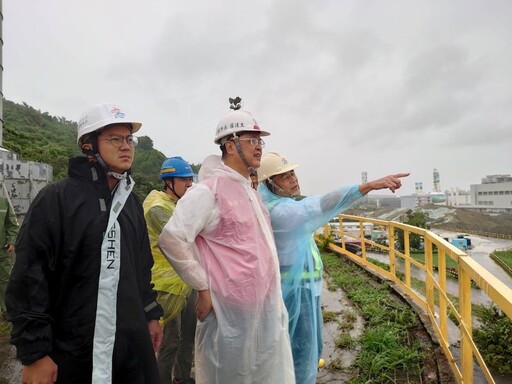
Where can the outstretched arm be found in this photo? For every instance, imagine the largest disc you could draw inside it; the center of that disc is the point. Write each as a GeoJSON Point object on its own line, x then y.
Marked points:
{"type": "Point", "coordinates": [391, 182]}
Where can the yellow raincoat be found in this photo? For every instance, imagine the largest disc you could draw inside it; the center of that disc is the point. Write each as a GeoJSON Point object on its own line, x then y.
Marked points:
{"type": "Point", "coordinates": [172, 290]}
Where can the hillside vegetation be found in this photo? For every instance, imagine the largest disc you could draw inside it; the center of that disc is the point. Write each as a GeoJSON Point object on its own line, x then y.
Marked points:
{"type": "Point", "coordinates": [37, 136]}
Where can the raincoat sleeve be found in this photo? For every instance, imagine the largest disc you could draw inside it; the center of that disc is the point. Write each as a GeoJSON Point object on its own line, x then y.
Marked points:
{"type": "Point", "coordinates": [152, 308]}
{"type": "Point", "coordinates": [315, 211]}
{"type": "Point", "coordinates": [195, 212]}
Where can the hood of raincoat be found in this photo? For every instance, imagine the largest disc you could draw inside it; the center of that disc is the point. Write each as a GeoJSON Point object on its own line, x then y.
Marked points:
{"type": "Point", "coordinates": [270, 198]}
{"type": "Point", "coordinates": [213, 166]}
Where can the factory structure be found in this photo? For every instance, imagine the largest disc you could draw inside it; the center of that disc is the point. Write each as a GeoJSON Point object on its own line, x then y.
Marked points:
{"type": "Point", "coordinates": [420, 197]}
{"type": "Point", "coordinates": [493, 195]}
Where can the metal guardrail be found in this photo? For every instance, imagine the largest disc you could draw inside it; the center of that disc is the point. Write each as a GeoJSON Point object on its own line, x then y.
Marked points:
{"type": "Point", "coordinates": [434, 301]}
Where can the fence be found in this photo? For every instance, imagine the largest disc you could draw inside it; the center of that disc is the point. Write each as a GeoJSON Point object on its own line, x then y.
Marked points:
{"type": "Point", "coordinates": [434, 299]}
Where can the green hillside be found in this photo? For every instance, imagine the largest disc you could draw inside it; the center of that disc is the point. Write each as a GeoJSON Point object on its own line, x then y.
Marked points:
{"type": "Point", "coordinates": [37, 136]}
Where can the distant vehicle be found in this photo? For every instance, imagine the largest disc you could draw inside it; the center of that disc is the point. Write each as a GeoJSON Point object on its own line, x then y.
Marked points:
{"type": "Point", "coordinates": [467, 238]}
{"type": "Point", "coordinates": [461, 243]}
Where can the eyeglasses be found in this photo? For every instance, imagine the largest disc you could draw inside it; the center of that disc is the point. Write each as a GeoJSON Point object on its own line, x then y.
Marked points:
{"type": "Point", "coordinates": [118, 140]}
{"type": "Point", "coordinates": [253, 140]}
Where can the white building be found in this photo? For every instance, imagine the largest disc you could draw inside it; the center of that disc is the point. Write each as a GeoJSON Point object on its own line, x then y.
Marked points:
{"type": "Point", "coordinates": [416, 200]}
{"type": "Point", "coordinates": [493, 195]}
{"type": "Point", "coordinates": [457, 197]}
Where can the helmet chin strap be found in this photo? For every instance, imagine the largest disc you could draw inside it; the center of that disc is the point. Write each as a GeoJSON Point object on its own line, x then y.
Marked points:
{"type": "Point", "coordinates": [93, 152]}
{"type": "Point", "coordinates": [278, 188]}
{"type": "Point", "coordinates": [109, 172]}
{"type": "Point", "coordinates": [253, 173]}
{"type": "Point", "coordinates": [171, 187]}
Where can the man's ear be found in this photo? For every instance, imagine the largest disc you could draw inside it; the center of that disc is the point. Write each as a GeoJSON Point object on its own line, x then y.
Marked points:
{"type": "Point", "coordinates": [230, 147]}
{"type": "Point", "coordinates": [87, 149]}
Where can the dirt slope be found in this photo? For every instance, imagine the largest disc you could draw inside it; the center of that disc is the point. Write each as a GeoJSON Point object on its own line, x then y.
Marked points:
{"type": "Point", "coordinates": [450, 218]}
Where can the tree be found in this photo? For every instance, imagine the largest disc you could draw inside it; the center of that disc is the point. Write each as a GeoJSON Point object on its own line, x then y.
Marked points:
{"type": "Point", "coordinates": [416, 219]}
{"type": "Point", "coordinates": [145, 143]}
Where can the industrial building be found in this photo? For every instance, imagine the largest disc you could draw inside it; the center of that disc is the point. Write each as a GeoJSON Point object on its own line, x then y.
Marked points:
{"type": "Point", "coordinates": [458, 198]}
{"type": "Point", "coordinates": [416, 200]}
{"type": "Point", "coordinates": [494, 194]}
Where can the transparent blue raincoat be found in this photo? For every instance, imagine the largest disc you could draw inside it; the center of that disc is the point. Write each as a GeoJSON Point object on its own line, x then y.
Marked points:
{"type": "Point", "coordinates": [294, 223]}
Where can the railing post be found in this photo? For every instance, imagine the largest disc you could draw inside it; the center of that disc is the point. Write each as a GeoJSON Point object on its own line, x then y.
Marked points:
{"type": "Point", "coordinates": [362, 238]}
{"type": "Point", "coordinates": [391, 239]}
{"type": "Point", "coordinates": [443, 314]}
{"type": "Point", "coordinates": [407, 253]}
{"type": "Point", "coordinates": [465, 325]}
{"type": "Point", "coordinates": [429, 275]}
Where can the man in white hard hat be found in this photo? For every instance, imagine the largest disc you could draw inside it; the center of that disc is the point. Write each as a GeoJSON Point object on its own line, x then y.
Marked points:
{"type": "Point", "coordinates": [220, 241]}
{"type": "Point", "coordinates": [177, 299]}
{"type": "Point", "coordinates": [80, 296]}
{"type": "Point", "coordinates": [294, 221]}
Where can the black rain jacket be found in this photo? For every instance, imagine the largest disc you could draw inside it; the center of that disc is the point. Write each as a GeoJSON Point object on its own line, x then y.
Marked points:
{"type": "Point", "coordinates": [52, 292]}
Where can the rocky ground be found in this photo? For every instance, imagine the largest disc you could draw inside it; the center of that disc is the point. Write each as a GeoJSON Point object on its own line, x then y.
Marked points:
{"type": "Point", "coordinates": [10, 369]}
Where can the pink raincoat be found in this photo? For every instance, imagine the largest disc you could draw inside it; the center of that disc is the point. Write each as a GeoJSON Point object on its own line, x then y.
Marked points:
{"type": "Point", "coordinates": [219, 238]}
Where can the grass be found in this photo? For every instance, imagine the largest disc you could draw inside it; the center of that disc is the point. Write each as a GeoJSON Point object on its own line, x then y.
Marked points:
{"type": "Point", "coordinates": [386, 348]}
{"type": "Point", "coordinates": [420, 256]}
{"type": "Point", "coordinates": [329, 316]}
{"type": "Point", "coordinates": [505, 257]}
{"type": "Point", "coordinates": [5, 329]}
{"type": "Point", "coordinates": [344, 340]}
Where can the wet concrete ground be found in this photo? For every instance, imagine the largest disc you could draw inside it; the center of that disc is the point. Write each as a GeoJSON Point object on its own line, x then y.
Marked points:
{"type": "Point", "coordinates": [11, 371]}
{"type": "Point", "coordinates": [336, 301]}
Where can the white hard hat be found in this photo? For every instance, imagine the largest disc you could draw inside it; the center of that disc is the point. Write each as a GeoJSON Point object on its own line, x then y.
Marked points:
{"type": "Point", "coordinates": [237, 121]}
{"type": "Point", "coordinates": [273, 163]}
{"type": "Point", "coordinates": [102, 115]}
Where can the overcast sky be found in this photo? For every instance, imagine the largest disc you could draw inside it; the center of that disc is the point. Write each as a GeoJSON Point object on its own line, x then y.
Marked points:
{"type": "Point", "coordinates": [343, 86]}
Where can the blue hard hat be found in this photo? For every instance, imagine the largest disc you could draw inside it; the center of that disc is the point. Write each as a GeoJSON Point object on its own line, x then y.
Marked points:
{"type": "Point", "coordinates": [176, 167]}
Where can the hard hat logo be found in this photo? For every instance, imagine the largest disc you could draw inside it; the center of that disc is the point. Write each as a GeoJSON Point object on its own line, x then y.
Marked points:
{"type": "Point", "coordinates": [116, 112]}
{"type": "Point", "coordinates": [99, 116]}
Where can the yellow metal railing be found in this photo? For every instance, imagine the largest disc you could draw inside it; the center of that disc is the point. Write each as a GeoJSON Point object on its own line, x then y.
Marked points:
{"type": "Point", "coordinates": [435, 301]}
